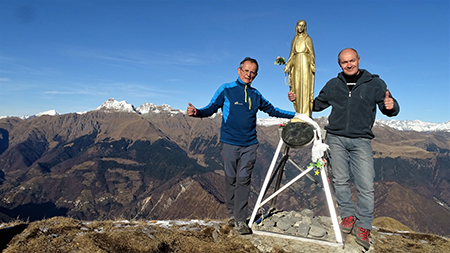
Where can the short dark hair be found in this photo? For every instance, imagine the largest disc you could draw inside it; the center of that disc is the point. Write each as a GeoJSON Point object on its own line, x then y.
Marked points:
{"type": "Point", "coordinates": [250, 60]}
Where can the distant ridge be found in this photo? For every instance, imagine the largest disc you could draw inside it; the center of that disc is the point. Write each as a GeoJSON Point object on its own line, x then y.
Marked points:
{"type": "Point", "coordinates": [112, 105]}
{"type": "Point", "coordinates": [49, 112]}
{"type": "Point", "coordinates": [416, 125]}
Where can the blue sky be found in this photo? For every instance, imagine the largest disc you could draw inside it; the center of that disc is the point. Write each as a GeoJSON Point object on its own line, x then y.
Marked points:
{"type": "Point", "coordinates": [72, 55]}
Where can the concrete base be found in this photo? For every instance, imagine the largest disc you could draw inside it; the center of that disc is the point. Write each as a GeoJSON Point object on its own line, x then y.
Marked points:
{"type": "Point", "coordinates": [303, 239]}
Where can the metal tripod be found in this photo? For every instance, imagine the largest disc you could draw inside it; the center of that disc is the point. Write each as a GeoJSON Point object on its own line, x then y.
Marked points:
{"type": "Point", "coordinates": [279, 171]}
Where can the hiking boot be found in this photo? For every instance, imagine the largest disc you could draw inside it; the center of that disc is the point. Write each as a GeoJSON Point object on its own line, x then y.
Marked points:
{"type": "Point", "coordinates": [347, 224]}
{"type": "Point", "coordinates": [242, 228]}
{"type": "Point", "coordinates": [231, 222]}
{"type": "Point", "coordinates": [362, 237]}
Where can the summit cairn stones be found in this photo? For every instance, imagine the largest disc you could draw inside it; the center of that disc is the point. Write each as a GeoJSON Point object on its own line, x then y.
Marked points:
{"type": "Point", "coordinates": [307, 213]}
{"type": "Point", "coordinates": [303, 230]}
{"type": "Point", "coordinates": [302, 224]}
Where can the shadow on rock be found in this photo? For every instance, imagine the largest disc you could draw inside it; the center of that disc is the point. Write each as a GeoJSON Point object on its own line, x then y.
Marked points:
{"type": "Point", "coordinates": [7, 234]}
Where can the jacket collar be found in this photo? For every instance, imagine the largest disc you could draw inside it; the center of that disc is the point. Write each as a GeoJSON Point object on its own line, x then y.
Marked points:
{"type": "Point", "coordinates": [239, 81]}
{"type": "Point", "coordinates": [365, 77]}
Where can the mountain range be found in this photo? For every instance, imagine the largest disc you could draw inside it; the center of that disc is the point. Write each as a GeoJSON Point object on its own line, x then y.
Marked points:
{"type": "Point", "coordinates": [155, 162]}
{"type": "Point", "coordinates": [115, 106]}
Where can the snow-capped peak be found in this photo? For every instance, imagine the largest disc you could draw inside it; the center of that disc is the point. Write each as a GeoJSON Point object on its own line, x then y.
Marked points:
{"type": "Point", "coordinates": [112, 105]}
{"type": "Point", "coordinates": [152, 108]}
{"type": "Point", "coordinates": [49, 112]}
{"type": "Point", "coordinates": [147, 108]}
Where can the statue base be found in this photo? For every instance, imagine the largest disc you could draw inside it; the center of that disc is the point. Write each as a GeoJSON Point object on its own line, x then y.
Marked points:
{"type": "Point", "coordinates": [297, 134]}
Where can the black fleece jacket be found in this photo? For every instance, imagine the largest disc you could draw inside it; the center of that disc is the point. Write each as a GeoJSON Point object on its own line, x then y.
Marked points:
{"type": "Point", "coordinates": [353, 112]}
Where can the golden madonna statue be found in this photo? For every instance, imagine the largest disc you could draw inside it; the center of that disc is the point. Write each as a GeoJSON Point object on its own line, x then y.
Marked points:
{"type": "Point", "coordinates": [301, 68]}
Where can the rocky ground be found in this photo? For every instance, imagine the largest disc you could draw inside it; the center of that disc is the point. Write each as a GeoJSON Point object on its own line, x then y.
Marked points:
{"type": "Point", "coordinates": [60, 234]}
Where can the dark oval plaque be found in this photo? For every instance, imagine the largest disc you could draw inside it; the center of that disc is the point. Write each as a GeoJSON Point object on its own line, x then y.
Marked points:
{"type": "Point", "coordinates": [297, 134]}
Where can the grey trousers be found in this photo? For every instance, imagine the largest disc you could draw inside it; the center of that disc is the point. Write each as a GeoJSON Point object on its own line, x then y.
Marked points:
{"type": "Point", "coordinates": [238, 165]}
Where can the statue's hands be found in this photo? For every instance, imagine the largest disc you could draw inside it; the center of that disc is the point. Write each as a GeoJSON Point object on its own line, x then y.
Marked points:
{"type": "Point", "coordinates": [313, 67]}
{"type": "Point", "coordinates": [287, 67]}
{"type": "Point", "coordinates": [291, 96]}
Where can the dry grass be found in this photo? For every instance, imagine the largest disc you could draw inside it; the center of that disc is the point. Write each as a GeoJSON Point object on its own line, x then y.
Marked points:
{"type": "Point", "coordinates": [393, 236]}
{"type": "Point", "coordinates": [391, 224]}
{"type": "Point", "coordinates": [393, 241]}
{"type": "Point", "coordinates": [69, 235]}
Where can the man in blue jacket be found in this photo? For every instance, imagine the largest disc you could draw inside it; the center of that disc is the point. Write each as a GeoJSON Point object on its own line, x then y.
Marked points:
{"type": "Point", "coordinates": [353, 95]}
{"type": "Point", "coordinates": [240, 103]}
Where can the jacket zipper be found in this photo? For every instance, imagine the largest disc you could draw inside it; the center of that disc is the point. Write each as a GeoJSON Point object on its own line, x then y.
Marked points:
{"type": "Point", "coordinates": [249, 100]}
{"type": "Point", "coordinates": [348, 104]}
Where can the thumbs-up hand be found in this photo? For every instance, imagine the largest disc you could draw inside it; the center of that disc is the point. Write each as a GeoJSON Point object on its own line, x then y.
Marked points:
{"type": "Point", "coordinates": [191, 111]}
{"type": "Point", "coordinates": [388, 102]}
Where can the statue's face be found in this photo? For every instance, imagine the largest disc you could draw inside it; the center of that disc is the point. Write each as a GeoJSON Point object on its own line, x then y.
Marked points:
{"type": "Point", "coordinates": [349, 62]}
{"type": "Point", "coordinates": [301, 27]}
{"type": "Point", "coordinates": [248, 72]}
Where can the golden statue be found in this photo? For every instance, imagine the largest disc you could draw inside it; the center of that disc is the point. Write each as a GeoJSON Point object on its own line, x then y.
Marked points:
{"type": "Point", "coordinates": [301, 67]}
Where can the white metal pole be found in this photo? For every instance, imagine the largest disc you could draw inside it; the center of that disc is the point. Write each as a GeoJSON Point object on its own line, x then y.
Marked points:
{"type": "Point", "coordinates": [287, 185]}
{"type": "Point", "coordinates": [326, 187]}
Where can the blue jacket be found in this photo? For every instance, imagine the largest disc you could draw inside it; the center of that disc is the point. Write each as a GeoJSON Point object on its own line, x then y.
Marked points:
{"type": "Point", "coordinates": [353, 112]}
{"type": "Point", "coordinates": [240, 103]}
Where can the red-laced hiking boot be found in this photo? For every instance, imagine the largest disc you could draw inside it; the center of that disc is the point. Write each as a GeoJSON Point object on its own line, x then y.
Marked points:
{"type": "Point", "coordinates": [347, 224]}
{"type": "Point", "coordinates": [362, 237]}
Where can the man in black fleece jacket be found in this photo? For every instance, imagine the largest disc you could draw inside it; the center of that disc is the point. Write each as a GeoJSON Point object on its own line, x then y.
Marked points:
{"type": "Point", "coordinates": [353, 95]}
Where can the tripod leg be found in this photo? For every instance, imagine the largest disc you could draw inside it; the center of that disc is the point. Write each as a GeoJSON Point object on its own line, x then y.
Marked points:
{"type": "Point", "coordinates": [280, 177]}
{"type": "Point", "coordinates": [280, 165]}
{"type": "Point", "coordinates": [329, 169]}
{"type": "Point", "coordinates": [331, 203]}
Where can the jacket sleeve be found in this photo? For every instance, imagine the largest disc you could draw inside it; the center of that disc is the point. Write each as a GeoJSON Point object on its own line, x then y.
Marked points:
{"type": "Point", "coordinates": [321, 103]}
{"type": "Point", "coordinates": [213, 106]}
{"type": "Point", "coordinates": [380, 101]}
{"type": "Point", "coordinates": [273, 111]}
